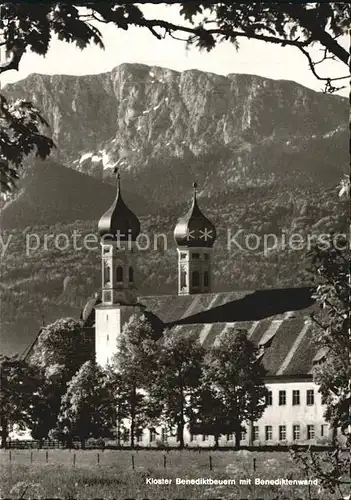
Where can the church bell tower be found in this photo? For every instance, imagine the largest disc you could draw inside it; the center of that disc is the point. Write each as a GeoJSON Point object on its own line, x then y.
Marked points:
{"type": "Point", "coordinates": [194, 235]}
{"type": "Point", "coordinates": [118, 229]}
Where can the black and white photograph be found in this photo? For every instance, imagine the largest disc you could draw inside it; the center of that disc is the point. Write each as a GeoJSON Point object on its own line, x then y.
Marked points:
{"type": "Point", "coordinates": [175, 250]}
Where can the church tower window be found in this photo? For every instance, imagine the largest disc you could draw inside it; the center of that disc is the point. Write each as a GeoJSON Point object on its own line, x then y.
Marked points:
{"type": "Point", "coordinates": [107, 273]}
{"type": "Point", "coordinates": [119, 274]}
{"type": "Point", "coordinates": [131, 275]}
{"type": "Point", "coordinates": [196, 279]}
{"type": "Point", "coordinates": [195, 236]}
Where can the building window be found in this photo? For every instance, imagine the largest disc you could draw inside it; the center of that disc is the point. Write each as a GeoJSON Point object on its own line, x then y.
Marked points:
{"type": "Point", "coordinates": [206, 279]}
{"type": "Point", "coordinates": [119, 274]}
{"type": "Point", "coordinates": [269, 398]}
{"type": "Point", "coordinates": [269, 432]}
{"type": "Point", "coordinates": [295, 398]}
{"type": "Point", "coordinates": [196, 279]}
{"type": "Point", "coordinates": [206, 256]}
{"type": "Point", "coordinates": [282, 398]}
{"type": "Point", "coordinates": [139, 436]}
{"type": "Point", "coordinates": [256, 433]}
{"type": "Point", "coordinates": [107, 337]}
{"type": "Point", "coordinates": [324, 430]}
{"type": "Point", "coordinates": [230, 437]}
{"type": "Point", "coordinates": [152, 435]}
{"type": "Point", "coordinates": [107, 296]}
{"type": "Point", "coordinates": [192, 437]}
{"type": "Point", "coordinates": [205, 437]}
{"type": "Point", "coordinates": [243, 435]}
{"type": "Point", "coordinates": [310, 432]}
{"type": "Point", "coordinates": [182, 279]}
{"type": "Point", "coordinates": [282, 432]}
{"type": "Point", "coordinates": [107, 274]}
{"type": "Point", "coordinates": [131, 275]}
{"type": "Point", "coordinates": [310, 397]}
{"type": "Point", "coordinates": [183, 255]}
{"type": "Point", "coordinates": [195, 255]}
{"type": "Point", "coordinates": [296, 432]}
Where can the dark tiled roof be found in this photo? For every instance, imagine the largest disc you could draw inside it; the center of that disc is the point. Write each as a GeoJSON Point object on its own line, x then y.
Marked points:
{"type": "Point", "coordinates": [277, 320]}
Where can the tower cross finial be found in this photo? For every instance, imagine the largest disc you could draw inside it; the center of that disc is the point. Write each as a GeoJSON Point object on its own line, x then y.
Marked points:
{"type": "Point", "coordinates": [118, 177]}
{"type": "Point", "coordinates": [195, 189]}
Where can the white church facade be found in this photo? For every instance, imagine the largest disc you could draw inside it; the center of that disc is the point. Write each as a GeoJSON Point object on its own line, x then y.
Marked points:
{"type": "Point", "coordinates": [278, 321]}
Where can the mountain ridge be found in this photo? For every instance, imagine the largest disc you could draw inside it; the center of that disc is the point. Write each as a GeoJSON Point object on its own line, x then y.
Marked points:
{"type": "Point", "coordinates": [249, 130]}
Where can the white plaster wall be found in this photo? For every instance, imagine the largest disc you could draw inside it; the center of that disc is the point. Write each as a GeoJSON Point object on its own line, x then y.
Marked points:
{"type": "Point", "coordinates": [274, 415]}
{"type": "Point", "coordinates": [107, 329]}
{"type": "Point", "coordinates": [290, 414]}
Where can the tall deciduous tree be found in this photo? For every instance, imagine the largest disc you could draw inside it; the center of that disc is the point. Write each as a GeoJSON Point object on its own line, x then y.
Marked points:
{"type": "Point", "coordinates": [27, 28]}
{"type": "Point", "coordinates": [234, 381]}
{"type": "Point", "coordinates": [19, 383]}
{"type": "Point", "coordinates": [332, 372]}
{"type": "Point", "coordinates": [177, 380]}
{"type": "Point", "coordinates": [131, 375]}
{"type": "Point", "coordinates": [331, 266]}
{"type": "Point", "coordinates": [87, 408]}
{"type": "Point", "coordinates": [60, 350]}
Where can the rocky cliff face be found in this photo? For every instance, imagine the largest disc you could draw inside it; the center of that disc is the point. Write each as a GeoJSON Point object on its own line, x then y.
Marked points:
{"type": "Point", "coordinates": [165, 128]}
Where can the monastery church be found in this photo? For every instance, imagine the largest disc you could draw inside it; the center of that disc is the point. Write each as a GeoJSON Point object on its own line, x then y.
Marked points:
{"type": "Point", "coordinates": [277, 320]}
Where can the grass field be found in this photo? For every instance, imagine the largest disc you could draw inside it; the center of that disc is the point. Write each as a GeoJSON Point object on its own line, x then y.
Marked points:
{"type": "Point", "coordinates": [110, 474]}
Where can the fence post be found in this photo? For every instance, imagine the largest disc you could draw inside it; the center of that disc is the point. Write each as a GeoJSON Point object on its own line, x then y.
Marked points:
{"type": "Point", "coordinates": [133, 464]}
{"type": "Point", "coordinates": [10, 455]}
{"type": "Point", "coordinates": [47, 456]}
{"type": "Point", "coordinates": [98, 459]}
{"type": "Point", "coordinates": [254, 463]}
{"type": "Point", "coordinates": [164, 461]}
{"type": "Point", "coordinates": [210, 462]}
{"type": "Point", "coordinates": [31, 457]}
{"type": "Point", "coordinates": [74, 459]}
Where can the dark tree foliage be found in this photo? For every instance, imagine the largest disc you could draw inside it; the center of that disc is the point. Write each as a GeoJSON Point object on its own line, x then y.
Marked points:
{"type": "Point", "coordinates": [332, 371]}
{"type": "Point", "coordinates": [177, 381]}
{"type": "Point", "coordinates": [131, 374]}
{"type": "Point", "coordinates": [59, 352]}
{"type": "Point", "coordinates": [331, 266]}
{"type": "Point", "coordinates": [87, 407]}
{"type": "Point", "coordinates": [20, 135]}
{"type": "Point", "coordinates": [26, 27]}
{"type": "Point", "coordinates": [233, 390]}
{"type": "Point", "coordinates": [19, 383]}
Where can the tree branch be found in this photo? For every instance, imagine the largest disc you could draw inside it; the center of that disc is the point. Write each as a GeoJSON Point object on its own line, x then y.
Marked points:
{"type": "Point", "coordinates": [14, 61]}
{"type": "Point", "coordinates": [226, 32]}
{"type": "Point", "coordinates": [325, 79]}
{"type": "Point", "coordinates": [307, 20]}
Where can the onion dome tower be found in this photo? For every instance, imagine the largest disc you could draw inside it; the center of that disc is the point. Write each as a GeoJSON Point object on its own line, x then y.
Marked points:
{"type": "Point", "coordinates": [195, 236]}
{"type": "Point", "coordinates": [118, 229]}
{"type": "Point", "coordinates": [119, 223]}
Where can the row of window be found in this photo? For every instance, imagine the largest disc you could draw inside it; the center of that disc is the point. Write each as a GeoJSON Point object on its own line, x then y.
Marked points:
{"type": "Point", "coordinates": [195, 256]}
{"type": "Point", "coordinates": [269, 435]}
{"type": "Point", "coordinates": [295, 398]}
{"type": "Point", "coordinates": [119, 274]}
{"type": "Point", "coordinates": [195, 279]}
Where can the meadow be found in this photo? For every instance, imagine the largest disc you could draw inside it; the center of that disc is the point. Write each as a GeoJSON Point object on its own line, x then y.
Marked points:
{"type": "Point", "coordinates": [126, 474]}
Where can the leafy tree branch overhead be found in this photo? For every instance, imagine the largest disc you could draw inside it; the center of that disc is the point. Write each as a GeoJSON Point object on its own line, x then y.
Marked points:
{"type": "Point", "coordinates": [24, 28]}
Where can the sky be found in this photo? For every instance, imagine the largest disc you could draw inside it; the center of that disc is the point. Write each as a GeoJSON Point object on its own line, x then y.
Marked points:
{"type": "Point", "coordinates": [138, 45]}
